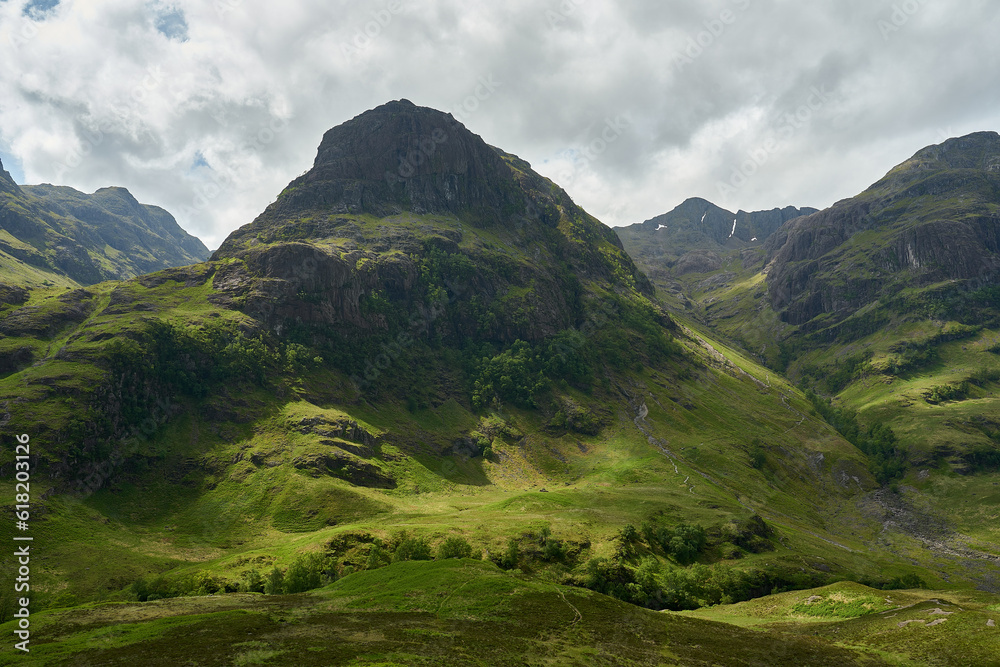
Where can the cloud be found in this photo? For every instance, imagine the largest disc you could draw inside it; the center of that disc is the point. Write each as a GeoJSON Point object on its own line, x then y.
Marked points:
{"type": "Point", "coordinates": [210, 107]}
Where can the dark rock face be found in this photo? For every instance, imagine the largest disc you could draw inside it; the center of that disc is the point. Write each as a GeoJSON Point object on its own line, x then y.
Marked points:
{"type": "Point", "coordinates": [395, 187]}
{"type": "Point", "coordinates": [403, 157]}
{"type": "Point", "coordinates": [689, 238]}
{"type": "Point", "coordinates": [932, 218]}
{"type": "Point", "coordinates": [7, 183]}
{"type": "Point", "coordinates": [45, 322]}
{"type": "Point", "coordinates": [346, 467]}
{"type": "Point", "coordinates": [698, 261]}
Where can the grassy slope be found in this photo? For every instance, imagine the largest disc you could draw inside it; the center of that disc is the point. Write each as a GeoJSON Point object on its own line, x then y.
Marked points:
{"type": "Point", "coordinates": [461, 612]}
{"type": "Point", "coordinates": [454, 612]}
{"type": "Point", "coordinates": [207, 504]}
{"type": "Point", "coordinates": [218, 496]}
{"type": "Point", "coordinates": [934, 434]}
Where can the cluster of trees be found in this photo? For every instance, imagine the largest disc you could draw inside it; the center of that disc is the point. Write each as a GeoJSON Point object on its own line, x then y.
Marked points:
{"type": "Point", "coordinates": [536, 547]}
{"type": "Point", "coordinates": [651, 585]}
{"type": "Point", "coordinates": [193, 360]}
{"type": "Point", "coordinates": [886, 461]}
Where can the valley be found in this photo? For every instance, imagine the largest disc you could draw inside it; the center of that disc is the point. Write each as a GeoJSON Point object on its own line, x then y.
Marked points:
{"type": "Point", "coordinates": [406, 412]}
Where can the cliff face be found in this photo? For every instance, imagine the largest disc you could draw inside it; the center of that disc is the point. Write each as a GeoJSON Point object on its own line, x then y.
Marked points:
{"type": "Point", "coordinates": [401, 157]}
{"type": "Point", "coordinates": [934, 218]}
{"type": "Point", "coordinates": [402, 196]}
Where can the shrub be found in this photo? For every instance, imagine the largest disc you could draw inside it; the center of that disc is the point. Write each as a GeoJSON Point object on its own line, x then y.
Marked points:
{"type": "Point", "coordinates": [511, 557]}
{"type": "Point", "coordinates": [454, 547]}
{"type": "Point", "coordinates": [411, 548]}
{"type": "Point", "coordinates": [274, 584]}
{"type": "Point", "coordinates": [687, 542]}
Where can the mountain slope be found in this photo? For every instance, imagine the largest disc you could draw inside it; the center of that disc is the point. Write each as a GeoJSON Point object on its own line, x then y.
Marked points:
{"type": "Point", "coordinates": [887, 303]}
{"type": "Point", "coordinates": [373, 367]}
{"type": "Point", "coordinates": [68, 237]}
{"type": "Point", "coordinates": [934, 218]}
{"type": "Point", "coordinates": [699, 246]}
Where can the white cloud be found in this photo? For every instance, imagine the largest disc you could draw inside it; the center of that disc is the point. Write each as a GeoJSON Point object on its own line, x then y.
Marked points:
{"type": "Point", "coordinates": [210, 107]}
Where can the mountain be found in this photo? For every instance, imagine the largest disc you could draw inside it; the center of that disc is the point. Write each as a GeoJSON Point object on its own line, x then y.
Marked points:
{"type": "Point", "coordinates": [694, 241]}
{"type": "Point", "coordinates": [529, 260]}
{"type": "Point", "coordinates": [697, 225]}
{"type": "Point", "coordinates": [428, 387]}
{"type": "Point", "coordinates": [57, 235]}
{"type": "Point", "coordinates": [933, 219]}
{"type": "Point", "coordinates": [886, 307]}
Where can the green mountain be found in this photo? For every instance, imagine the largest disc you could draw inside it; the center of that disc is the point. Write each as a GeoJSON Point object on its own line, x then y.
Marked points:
{"type": "Point", "coordinates": [51, 235]}
{"type": "Point", "coordinates": [887, 304]}
{"type": "Point", "coordinates": [425, 393]}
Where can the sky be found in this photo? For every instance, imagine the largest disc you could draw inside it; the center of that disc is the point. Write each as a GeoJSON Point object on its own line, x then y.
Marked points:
{"type": "Point", "coordinates": [209, 108]}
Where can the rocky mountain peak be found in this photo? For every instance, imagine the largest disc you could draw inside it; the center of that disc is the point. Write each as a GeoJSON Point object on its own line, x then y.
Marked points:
{"type": "Point", "coordinates": [979, 150]}
{"type": "Point", "coordinates": [402, 157]}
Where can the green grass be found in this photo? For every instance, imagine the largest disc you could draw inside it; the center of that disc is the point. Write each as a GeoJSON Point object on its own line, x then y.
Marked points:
{"type": "Point", "coordinates": [435, 613]}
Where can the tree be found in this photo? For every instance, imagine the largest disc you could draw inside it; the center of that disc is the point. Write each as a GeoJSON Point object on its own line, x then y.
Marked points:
{"type": "Point", "coordinates": [275, 582]}
{"type": "Point", "coordinates": [687, 542]}
{"type": "Point", "coordinates": [253, 582]}
{"type": "Point", "coordinates": [512, 556]}
{"type": "Point", "coordinates": [304, 574]}
{"type": "Point", "coordinates": [454, 547]}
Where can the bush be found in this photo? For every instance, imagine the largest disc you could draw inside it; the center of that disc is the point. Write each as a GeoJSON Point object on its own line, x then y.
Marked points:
{"type": "Point", "coordinates": [304, 574]}
{"type": "Point", "coordinates": [687, 542]}
{"type": "Point", "coordinates": [758, 457]}
{"type": "Point", "coordinates": [274, 584]}
{"type": "Point", "coordinates": [253, 582]}
{"type": "Point", "coordinates": [378, 556]}
{"type": "Point", "coordinates": [454, 547]}
{"type": "Point", "coordinates": [411, 548]}
{"type": "Point", "coordinates": [512, 557]}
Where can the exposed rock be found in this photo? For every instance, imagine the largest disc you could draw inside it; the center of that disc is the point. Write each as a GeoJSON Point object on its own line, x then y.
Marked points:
{"type": "Point", "coordinates": [346, 467]}
{"type": "Point", "coordinates": [308, 259]}
{"type": "Point", "coordinates": [690, 237]}
{"type": "Point", "coordinates": [12, 294]}
{"type": "Point", "coordinates": [44, 321]}
{"type": "Point", "coordinates": [698, 261]}
{"type": "Point", "coordinates": [928, 220]}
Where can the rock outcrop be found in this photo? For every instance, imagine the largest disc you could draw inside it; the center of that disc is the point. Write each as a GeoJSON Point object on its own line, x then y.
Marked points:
{"type": "Point", "coordinates": [402, 195]}
{"type": "Point", "coordinates": [933, 218]}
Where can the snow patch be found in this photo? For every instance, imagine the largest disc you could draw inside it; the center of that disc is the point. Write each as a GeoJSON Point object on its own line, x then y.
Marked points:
{"type": "Point", "coordinates": [703, 216]}
{"type": "Point", "coordinates": [754, 238]}
{"type": "Point", "coordinates": [734, 229]}
{"type": "Point", "coordinates": [659, 227]}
